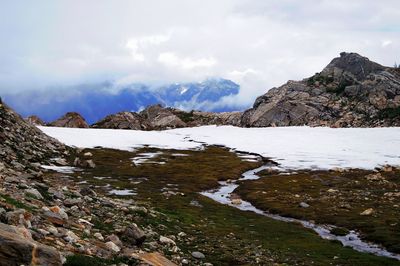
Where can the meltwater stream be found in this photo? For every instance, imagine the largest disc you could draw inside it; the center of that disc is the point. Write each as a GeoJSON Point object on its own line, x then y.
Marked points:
{"type": "Point", "coordinates": [222, 195]}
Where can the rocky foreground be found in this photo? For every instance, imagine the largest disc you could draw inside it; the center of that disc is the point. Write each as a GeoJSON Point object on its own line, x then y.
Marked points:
{"type": "Point", "coordinates": [351, 91]}
{"type": "Point", "coordinates": [45, 218]}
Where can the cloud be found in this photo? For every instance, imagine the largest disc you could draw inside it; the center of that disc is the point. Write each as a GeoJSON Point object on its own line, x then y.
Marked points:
{"type": "Point", "coordinates": [172, 60]}
{"type": "Point", "coordinates": [134, 45]}
{"type": "Point", "coordinates": [386, 43]}
{"type": "Point", "coordinates": [259, 44]}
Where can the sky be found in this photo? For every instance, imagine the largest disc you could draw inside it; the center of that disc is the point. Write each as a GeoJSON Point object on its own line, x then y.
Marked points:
{"type": "Point", "coordinates": [259, 44]}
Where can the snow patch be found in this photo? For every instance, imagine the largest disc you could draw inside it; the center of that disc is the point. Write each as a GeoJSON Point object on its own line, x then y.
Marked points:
{"type": "Point", "coordinates": [122, 192]}
{"type": "Point", "coordinates": [61, 169]}
{"type": "Point", "coordinates": [145, 158]}
{"type": "Point", "coordinates": [292, 147]}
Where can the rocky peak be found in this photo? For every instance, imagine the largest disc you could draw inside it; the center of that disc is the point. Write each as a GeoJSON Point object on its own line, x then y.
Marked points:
{"type": "Point", "coordinates": [353, 64]}
{"type": "Point", "coordinates": [70, 119]}
{"type": "Point", "coordinates": [351, 91]}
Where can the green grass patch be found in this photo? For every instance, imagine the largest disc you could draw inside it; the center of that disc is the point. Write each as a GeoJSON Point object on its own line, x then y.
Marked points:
{"type": "Point", "coordinates": [16, 203]}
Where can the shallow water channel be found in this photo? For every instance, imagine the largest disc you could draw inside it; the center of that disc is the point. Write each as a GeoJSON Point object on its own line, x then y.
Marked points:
{"type": "Point", "coordinates": [222, 195]}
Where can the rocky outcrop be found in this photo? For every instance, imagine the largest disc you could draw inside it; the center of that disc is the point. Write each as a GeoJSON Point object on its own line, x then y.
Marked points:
{"type": "Point", "coordinates": [157, 117]}
{"type": "Point", "coordinates": [123, 120]}
{"type": "Point", "coordinates": [351, 91]}
{"type": "Point", "coordinates": [154, 117]}
{"type": "Point", "coordinates": [161, 118]}
{"type": "Point", "coordinates": [198, 118]}
{"type": "Point", "coordinates": [35, 120]}
{"type": "Point", "coordinates": [71, 119]}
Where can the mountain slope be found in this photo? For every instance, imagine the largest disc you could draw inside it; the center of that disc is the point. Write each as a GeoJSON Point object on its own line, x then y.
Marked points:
{"type": "Point", "coordinates": [351, 91]}
{"type": "Point", "coordinates": [22, 144]}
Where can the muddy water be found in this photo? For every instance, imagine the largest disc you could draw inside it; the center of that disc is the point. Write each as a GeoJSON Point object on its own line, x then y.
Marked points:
{"type": "Point", "coordinates": [222, 195]}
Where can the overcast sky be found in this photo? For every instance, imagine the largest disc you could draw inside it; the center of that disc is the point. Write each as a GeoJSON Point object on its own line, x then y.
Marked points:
{"type": "Point", "coordinates": [256, 43]}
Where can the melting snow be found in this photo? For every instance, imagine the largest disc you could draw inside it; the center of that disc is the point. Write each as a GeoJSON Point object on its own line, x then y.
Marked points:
{"type": "Point", "coordinates": [122, 192]}
{"type": "Point", "coordinates": [292, 147]}
{"type": "Point", "coordinates": [145, 158]}
{"type": "Point", "coordinates": [60, 169]}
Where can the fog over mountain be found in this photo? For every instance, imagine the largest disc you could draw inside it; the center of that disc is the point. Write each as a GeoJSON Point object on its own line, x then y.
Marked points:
{"type": "Point", "coordinates": [95, 101]}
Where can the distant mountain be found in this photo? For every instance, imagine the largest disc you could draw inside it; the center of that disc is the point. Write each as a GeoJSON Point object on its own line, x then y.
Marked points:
{"type": "Point", "coordinates": [94, 102]}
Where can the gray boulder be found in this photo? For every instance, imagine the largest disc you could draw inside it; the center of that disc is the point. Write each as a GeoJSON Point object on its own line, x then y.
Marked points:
{"type": "Point", "coordinates": [17, 248]}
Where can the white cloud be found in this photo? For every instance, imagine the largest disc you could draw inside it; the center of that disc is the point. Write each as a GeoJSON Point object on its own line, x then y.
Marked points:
{"type": "Point", "coordinates": [259, 44]}
{"type": "Point", "coordinates": [172, 60]}
{"type": "Point", "coordinates": [133, 46]}
{"type": "Point", "coordinates": [386, 43]}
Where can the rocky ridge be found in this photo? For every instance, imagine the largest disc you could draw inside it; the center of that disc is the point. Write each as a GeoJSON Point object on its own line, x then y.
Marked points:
{"type": "Point", "coordinates": [351, 91]}
{"type": "Point", "coordinates": [154, 117]}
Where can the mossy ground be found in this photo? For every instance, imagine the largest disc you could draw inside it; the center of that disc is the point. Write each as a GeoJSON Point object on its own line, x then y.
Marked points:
{"type": "Point", "coordinates": [226, 235]}
{"type": "Point", "coordinates": [334, 198]}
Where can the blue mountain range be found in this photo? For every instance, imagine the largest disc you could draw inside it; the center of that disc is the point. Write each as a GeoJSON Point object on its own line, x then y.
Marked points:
{"type": "Point", "coordinates": [96, 101]}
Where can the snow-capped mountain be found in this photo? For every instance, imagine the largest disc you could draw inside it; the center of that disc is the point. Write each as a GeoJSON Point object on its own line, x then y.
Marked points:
{"type": "Point", "coordinates": [94, 102]}
{"type": "Point", "coordinates": [199, 95]}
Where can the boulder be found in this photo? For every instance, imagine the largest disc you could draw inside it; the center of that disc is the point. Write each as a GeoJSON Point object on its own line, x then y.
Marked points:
{"type": "Point", "coordinates": [33, 192]}
{"type": "Point", "coordinates": [167, 241]}
{"type": "Point", "coordinates": [198, 255]}
{"type": "Point", "coordinates": [18, 217]}
{"type": "Point", "coordinates": [367, 212]}
{"type": "Point", "coordinates": [115, 239]}
{"type": "Point", "coordinates": [18, 249]}
{"type": "Point", "coordinates": [112, 247]}
{"type": "Point", "coordinates": [134, 235]}
{"type": "Point", "coordinates": [304, 205]}
{"type": "Point", "coordinates": [161, 118]}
